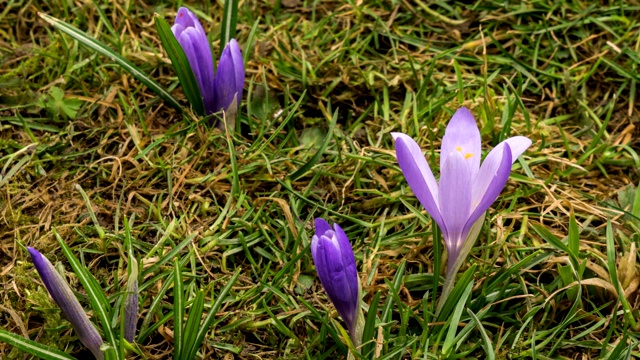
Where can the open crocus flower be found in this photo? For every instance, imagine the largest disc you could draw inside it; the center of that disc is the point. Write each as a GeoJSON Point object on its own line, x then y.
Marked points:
{"type": "Point", "coordinates": [63, 296]}
{"type": "Point", "coordinates": [336, 267]}
{"type": "Point", "coordinates": [466, 189]}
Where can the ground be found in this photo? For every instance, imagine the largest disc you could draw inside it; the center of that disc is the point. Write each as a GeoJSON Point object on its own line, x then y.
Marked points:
{"type": "Point", "coordinates": [89, 152]}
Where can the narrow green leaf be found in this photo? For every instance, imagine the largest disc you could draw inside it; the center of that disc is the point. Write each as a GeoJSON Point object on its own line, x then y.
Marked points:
{"type": "Point", "coordinates": [180, 64]}
{"type": "Point", "coordinates": [574, 235]}
{"type": "Point", "coordinates": [29, 346]}
{"type": "Point", "coordinates": [449, 343]}
{"type": "Point", "coordinates": [456, 293]}
{"type": "Point", "coordinates": [178, 310]}
{"type": "Point", "coordinates": [154, 309]}
{"type": "Point", "coordinates": [102, 49]}
{"type": "Point", "coordinates": [193, 322]}
{"type": "Point", "coordinates": [613, 273]}
{"type": "Point", "coordinates": [229, 20]}
{"type": "Point", "coordinates": [211, 316]}
{"type": "Point", "coordinates": [486, 342]}
{"type": "Point", "coordinates": [97, 298]}
{"type": "Point", "coordinates": [168, 256]}
{"type": "Point", "coordinates": [370, 326]}
{"type": "Point", "coordinates": [330, 329]}
{"type": "Point", "coordinates": [306, 167]}
{"type": "Point", "coordinates": [92, 215]}
{"type": "Point", "coordinates": [557, 243]}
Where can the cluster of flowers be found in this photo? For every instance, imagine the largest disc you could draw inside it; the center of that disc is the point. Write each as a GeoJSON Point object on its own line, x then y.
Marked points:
{"type": "Point", "coordinates": [457, 202]}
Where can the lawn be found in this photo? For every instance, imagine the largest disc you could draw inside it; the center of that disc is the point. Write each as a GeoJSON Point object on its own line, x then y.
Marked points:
{"type": "Point", "coordinates": [220, 222]}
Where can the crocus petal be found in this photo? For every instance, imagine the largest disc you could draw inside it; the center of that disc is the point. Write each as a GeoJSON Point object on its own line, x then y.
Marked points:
{"type": "Point", "coordinates": [177, 30]}
{"type": "Point", "coordinates": [238, 61]}
{"type": "Point", "coordinates": [69, 305]}
{"type": "Point", "coordinates": [418, 174]}
{"type": "Point", "coordinates": [349, 263]}
{"type": "Point", "coordinates": [490, 181]}
{"type": "Point", "coordinates": [322, 226]}
{"type": "Point", "coordinates": [455, 198]}
{"type": "Point", "coordinates": [518, 145]}
{"type": "Point", "coordinates": [336, 268]}
{"type": "Point", "coordinates": [191, 36]}
{"type": "Point", "coordinates": [131, 303]}
{"type": "Point", "coordinates": [462, 135]}
{"type": "Point", "coordinates": [230, 80]}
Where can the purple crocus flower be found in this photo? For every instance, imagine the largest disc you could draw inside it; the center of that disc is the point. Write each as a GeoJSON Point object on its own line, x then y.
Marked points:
{"type": "Point", "coordinates": [466, 189]}
{"type": "Point", "coordinates": [336, 267]}
{"type": "Point", "coordinates": [230, 80]}
{"type": "Point", "coordinates": [131, 303]}
{"type": "Point", "coordinates": [63, 296]}
{"type": "Point", "coordinates": [191, 36]}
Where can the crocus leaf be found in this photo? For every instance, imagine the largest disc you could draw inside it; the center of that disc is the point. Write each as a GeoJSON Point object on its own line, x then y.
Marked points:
{"type": "Point", "coordinates": [486, 341]}
{"type": "Point", "coordinates": [178, 310]}
{"type": "Point", "coordinates": [449, 342]}
{"type": "Point", "coordinates": [180, 64]}
{"type": "Point", "coordinates": [456, 293]}
{"type": "Point", "coordinates": [96, 45]}
{"type": "Point", "coordinates": [369, 329]}
{"type": "Point", "coordinates": [192, 326]}
{"type": "Point", "coordinates": [34, 348]}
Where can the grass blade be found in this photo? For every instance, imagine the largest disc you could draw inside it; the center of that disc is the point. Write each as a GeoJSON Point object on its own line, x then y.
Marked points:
{"type": "Point", "coordinates": [486, 341]}
{"type": "Point", "coordinates": [29, 346]}
{"type": "Point", "coordinates": [211, 316]}
{"type": "Point", "coordinates": [449, 342]}
{"type": "Point", "coordinates": [178, 310]}
{"type": "Point", "coordinates": [229, 20]}
{"type": "Point", "coordinates": [96, 45]}
{"type": "Point", "coordinates": [613, 273]}
{"type": "Point", "coordinates": [193, 322]}
{"type": "Point", "coordinates": [316, 157]}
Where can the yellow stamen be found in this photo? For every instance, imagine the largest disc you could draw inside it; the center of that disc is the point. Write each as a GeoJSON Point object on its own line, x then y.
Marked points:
{"type": "Point", "coordinates": [468, 155]}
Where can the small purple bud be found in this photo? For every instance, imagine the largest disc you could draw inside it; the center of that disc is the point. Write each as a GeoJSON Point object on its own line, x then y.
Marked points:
{"type": "Point", "coordinates": [191, 36]}
{"type": "Point", "coordinates": [229, 83]}
{"type": "Point", "coordinates": [131, 303]}
{"type": "Point", "coordinates": [336, 267]}
{"type": "Point", "coordinates": [63, 296]}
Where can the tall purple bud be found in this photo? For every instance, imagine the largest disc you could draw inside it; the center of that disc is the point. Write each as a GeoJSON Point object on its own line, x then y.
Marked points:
{"type": "Point", "coordinates": [63, 296]}
{"type": "Point", "coordinates": [336, 268]}
{"type": "Point", "coordinates": [131, 302]}
{"type": "Point", "coordinates": [229, 83]}
{"type": "Point", "coordinates": [194, 42]}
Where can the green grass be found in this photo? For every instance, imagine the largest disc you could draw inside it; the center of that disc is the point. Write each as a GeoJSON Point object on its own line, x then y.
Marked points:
{"type": "Point", "coordinates": [116, 170]}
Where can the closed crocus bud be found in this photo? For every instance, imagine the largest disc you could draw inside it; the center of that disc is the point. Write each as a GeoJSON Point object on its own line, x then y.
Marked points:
{"type": "Point", "coordinates": [131, 303]}
{"type": "Point", "coordinates": [194, 42]}
{"type": "Point", "coordinates": [336, 267]}
{"type": "Point", "coordinates": [230, 80]}
{"type": "Point", "coordinates": [63, 296]}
